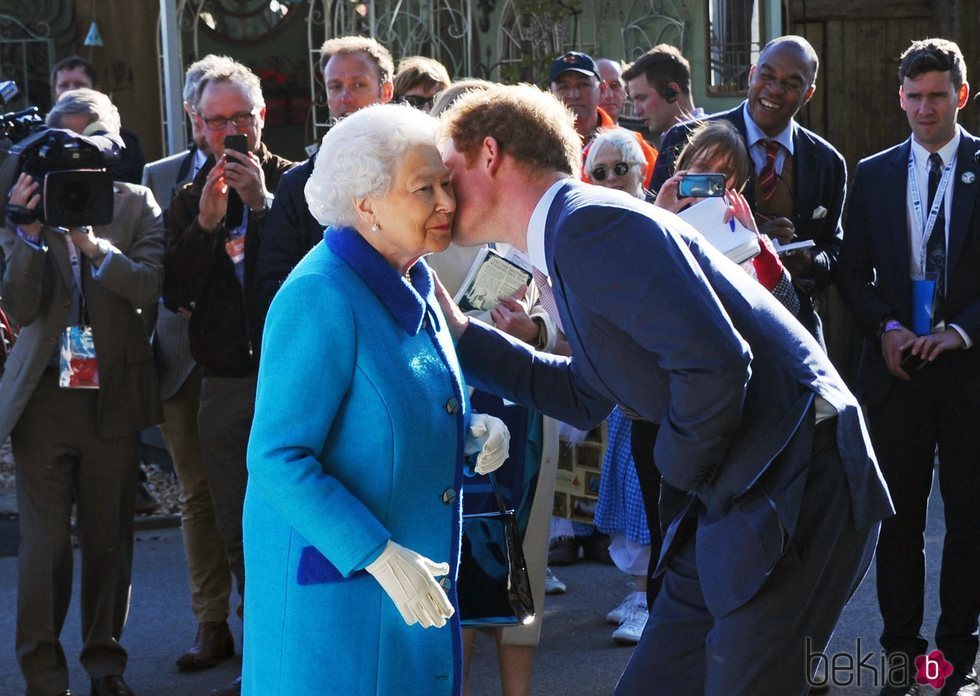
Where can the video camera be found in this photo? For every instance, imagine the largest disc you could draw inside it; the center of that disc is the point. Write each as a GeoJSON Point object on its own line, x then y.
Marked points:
{"type": "Point", "coordinates": [76, 186]}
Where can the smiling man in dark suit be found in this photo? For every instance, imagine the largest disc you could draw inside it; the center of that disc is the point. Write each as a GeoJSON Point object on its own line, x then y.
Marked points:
{"type": "Point", "coordinates": [771, 493]}
{"type": "Point", "coordinates": [799, 179]}
{"type": "Point", "coordinates": [914, 211]}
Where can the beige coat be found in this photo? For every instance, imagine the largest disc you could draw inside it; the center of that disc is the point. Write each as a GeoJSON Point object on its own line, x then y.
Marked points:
{"type": "Point", "coordinates": [36, 291]}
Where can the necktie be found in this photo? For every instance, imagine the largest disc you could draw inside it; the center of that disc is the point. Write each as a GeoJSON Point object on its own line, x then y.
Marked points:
{"type": "Point", "coordinates": [547, 297]}
{"type": "Point", "coordinates": [767, 177]}
{"type": "Point", "coordinates": [936, 246]}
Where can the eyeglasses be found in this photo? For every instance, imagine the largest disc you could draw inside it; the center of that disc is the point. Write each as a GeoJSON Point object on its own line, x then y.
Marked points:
{"type": "Point", "coordinates": [619, 169]}
{"type": "Point", "coordinates": [417, 100]}
{"type": "Point", "coordinates": [219, 123]}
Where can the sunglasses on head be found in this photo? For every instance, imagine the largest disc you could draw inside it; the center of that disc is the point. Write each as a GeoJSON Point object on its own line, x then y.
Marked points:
{"type": "Point", "coordinates": [619, 169]}
{"type": "Point", "coordinates": [417, 100]}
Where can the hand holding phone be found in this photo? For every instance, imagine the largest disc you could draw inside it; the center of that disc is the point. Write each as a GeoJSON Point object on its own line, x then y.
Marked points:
{"type": "Point", "coordinates": [701, 186]}
{"type": "Point", "coordinates": [910, 361]}
{"type": "Point", "coordinates": [236, 209]}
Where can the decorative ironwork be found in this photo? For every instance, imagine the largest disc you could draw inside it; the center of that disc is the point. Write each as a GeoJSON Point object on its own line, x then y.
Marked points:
{"type": "Point", "coordinates": [531, 33]}
{"type": "Point", "coordinates": [27, 55]}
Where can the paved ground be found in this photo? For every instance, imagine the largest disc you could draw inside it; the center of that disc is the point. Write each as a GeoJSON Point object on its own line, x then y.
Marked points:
{"type": "Point", "coordinates": [576, 656]}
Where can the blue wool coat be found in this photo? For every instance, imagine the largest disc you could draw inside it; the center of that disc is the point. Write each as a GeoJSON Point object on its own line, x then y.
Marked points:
{"type": "Point", "coordinates": [357, 439]}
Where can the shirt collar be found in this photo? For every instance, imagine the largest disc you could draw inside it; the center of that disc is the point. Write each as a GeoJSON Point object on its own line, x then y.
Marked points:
{"type": "Point", "coordinates": [537, 224]}
{"type": "Point", "coordinates": [754, 134]}
{"type": "Point", "coordinates": [405, 298]}
{"type": "Point", "coordinates": [920, 155]}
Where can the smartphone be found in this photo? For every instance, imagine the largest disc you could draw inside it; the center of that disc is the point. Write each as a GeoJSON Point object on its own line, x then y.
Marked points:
{"type": "Point", "coordinates": [910, 362]}
{"type": "Point", "coordinates": [701, 186]}
{"type": "Point", "coordinates": [236, 209]}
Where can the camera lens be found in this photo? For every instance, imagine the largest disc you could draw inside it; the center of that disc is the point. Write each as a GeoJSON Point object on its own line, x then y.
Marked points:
{"type": "Point", "coordinates": [75, 197]}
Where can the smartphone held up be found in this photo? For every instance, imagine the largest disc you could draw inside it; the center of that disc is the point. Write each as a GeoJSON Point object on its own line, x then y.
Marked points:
{"type": "Point", "coordinates": [236, 209]}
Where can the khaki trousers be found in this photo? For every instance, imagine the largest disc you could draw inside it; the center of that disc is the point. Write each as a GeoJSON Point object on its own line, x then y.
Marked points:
{"type": "Point", "coordinates": [207, 559]}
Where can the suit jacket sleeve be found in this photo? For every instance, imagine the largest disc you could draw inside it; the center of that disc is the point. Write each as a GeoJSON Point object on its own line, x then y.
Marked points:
{"type": "Point", "coordinates": [856, 276]}
{"type": "Point", "coordinates": [21, 288]}
{"type": "Point", "coordinates": [670, 147]}
{"type": "Point", "coordinates": [631, 271]}
{"type": "Point", "coordinates": [503, 365]}
{"type": "Point", "coordinates": [136, 273]}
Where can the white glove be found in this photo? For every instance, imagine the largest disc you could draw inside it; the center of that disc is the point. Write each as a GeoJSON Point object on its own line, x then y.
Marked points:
{"type": "Point", "coordinates": [410, 581]}
{"type": "Point", "coordinates": [489, 437]}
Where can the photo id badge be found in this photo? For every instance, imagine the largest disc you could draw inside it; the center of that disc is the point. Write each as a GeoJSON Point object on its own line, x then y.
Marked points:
{"type": "Point", "coordinates": [79, 369]}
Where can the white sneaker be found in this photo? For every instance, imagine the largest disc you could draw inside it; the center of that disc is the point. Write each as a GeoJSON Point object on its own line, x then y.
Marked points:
{"type": "Point", "coordinates": [619, 614]}
{"type": "Point", "coordinates": [552, 585]}
{"type": "Point", "coordinates": [631, 629]}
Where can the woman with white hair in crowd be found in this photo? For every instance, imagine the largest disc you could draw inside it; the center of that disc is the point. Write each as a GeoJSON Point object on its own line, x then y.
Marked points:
{"type": "Point", "coordinates": [352, 514]}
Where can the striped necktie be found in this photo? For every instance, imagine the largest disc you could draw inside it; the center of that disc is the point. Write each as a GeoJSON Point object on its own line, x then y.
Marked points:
{"type": "Point", "coordinates": [547, 297]}
{"type": "Point", "coordinates": [768, 177]}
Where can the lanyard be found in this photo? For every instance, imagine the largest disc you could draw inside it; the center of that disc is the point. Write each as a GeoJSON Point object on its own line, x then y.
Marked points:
{"type": "Point", "coordinates": [76, 269]}
{"type": "Point", "coordinates": [926, 225]}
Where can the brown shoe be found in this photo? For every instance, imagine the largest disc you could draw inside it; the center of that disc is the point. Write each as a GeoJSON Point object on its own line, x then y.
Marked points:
{"type": "Point", "coordinates": [212, 644]}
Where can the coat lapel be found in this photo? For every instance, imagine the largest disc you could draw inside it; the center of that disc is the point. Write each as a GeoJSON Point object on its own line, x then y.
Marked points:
{"type": "Point", "coordinates": [964, 200]}
{"type": "Point", "coordinates": [58, 248]}
{"type": "Point", "coordinates": [894, 186]}
{"type": "Point", "coordinates": [737, 117]}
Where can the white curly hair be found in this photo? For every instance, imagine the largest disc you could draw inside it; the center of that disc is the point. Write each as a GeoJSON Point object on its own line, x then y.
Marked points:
{"type": "Point", "coordinates": [359, 156]}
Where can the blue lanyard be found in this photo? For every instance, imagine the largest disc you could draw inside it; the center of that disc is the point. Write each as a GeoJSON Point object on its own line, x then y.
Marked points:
{"type": "Point", "coordinates": [926, 225]}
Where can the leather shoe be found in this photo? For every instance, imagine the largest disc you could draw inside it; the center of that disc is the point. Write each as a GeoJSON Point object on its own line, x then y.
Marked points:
{"type": "Point", "coordinates": [596, 547]}
{"type": "Point", "coordinates": [233, 689]}
{"type": "Point", "coordinates": [112, 685]}
{"type": "Point", "coordinates": [212, 644]}
{"type": "Point", "coordinates": [961, 684]}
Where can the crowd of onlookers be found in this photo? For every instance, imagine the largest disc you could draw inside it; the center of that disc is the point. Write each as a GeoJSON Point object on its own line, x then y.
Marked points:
{"type": "Point", "coordinates": [175, 292]}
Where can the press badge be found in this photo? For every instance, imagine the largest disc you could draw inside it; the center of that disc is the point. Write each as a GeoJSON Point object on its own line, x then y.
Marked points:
{"type": "Point", "coordinates": [235, 248]}
{"type": "Point", "coordinates": [79, 367]}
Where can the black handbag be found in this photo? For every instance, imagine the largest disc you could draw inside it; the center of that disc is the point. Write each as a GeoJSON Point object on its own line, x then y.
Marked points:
{"type": "Point", "coordinates": [493, 585]}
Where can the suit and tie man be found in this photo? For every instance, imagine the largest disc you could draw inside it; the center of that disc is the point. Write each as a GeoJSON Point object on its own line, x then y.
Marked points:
{"type": "Point", "coordinates": [78, 446]}
{"type": "Point", "coordinates": [357, 72]}
{"type": "Point", "coordinates": [913, 219]}
{"type": "Point", "coordinates": [799, 179]}
{"type": "Point", "coordinates": [659, 84]}
{"type": "Point", "coordinates": [772, 496]}
{"type": "Point", "coordinates": [180, 388]}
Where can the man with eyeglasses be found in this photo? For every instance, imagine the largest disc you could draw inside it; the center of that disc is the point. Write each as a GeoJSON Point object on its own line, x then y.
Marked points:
{"type": "Point", "coordinates": [798, 178]}
{"type": "Point", "coordinates": [575, 80]}
{"type": "Point", "coordinates": [210, 270]}
{"type": "Point", "coordinates": [180, 388]}
{"type": "Point", "coordinates": [357, 72]}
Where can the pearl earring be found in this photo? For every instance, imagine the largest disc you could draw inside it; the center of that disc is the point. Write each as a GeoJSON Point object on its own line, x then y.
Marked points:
{"type": "Point", "coordinates": [374, 227]}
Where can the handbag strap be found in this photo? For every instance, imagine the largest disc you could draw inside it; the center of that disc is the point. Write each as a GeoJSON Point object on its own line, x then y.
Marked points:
{"type": "Point", "coordinates": [496, 493]}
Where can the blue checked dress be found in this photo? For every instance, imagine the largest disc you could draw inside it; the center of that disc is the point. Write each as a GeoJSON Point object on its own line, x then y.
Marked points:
{"type": "Point", "coordinates": [620, 508]}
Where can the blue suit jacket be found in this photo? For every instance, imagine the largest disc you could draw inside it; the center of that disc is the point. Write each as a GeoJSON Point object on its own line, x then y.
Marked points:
{"type": "Point", "coordinates": [874, 276]}
{"type": "Point", "coordinates": [820, 180]}
{"type": "Point", "coordinates": [673, 330]}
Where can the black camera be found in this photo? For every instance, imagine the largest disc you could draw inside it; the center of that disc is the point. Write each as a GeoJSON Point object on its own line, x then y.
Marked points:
{"type": "Point", "coordinates": [76, 186]}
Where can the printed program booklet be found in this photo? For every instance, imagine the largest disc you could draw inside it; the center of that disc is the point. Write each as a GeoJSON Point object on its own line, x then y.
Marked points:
{"type": "Point", "coordinates": [490, 276]}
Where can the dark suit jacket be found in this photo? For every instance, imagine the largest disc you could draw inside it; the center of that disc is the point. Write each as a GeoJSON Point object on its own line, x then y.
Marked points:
{"type": "Point", "coordinates": [674, 331]}
{"type": "Point", "coordinates": [290, 232]}
{"type": "Point", "coordinates": [820, 180]}
{"type": "Point", "coordinates": [874, 275]}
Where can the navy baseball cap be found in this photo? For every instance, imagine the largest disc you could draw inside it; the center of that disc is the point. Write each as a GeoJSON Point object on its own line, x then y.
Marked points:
{"type": "Point", "coordinates": [573, 60]}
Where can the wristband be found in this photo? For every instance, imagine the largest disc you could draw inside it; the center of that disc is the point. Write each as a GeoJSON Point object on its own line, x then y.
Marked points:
{"type": "Point", "coordinates": [891, 325]}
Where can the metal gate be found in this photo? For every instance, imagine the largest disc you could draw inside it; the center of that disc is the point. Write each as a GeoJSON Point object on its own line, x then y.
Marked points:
{"type": "Point", "coordinates": [27, 57]}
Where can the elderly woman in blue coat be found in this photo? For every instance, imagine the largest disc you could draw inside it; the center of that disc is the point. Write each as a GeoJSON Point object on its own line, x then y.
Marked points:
{"type": "Point", "coordinates": [352, 515]}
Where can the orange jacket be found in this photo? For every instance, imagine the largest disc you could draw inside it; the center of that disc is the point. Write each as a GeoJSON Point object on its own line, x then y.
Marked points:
{"type": "Point", "coordinates": [649, 151]}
